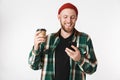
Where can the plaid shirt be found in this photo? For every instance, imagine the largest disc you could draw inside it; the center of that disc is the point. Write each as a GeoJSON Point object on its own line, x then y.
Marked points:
{"type": "Point", "coordinates": [44, 58]}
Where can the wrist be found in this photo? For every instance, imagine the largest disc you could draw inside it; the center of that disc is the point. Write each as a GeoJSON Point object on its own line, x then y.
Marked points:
{"type": "Point", "coordinates": [35, 51]}
{"type": "Point", "coordinates": [35, 47]}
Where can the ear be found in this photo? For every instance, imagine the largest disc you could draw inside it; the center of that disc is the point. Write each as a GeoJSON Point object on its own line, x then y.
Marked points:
{"type": "Point", "coordinates": [58, 16]}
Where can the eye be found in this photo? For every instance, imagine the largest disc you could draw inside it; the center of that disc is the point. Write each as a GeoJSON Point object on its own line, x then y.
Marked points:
{"type": "Point", "coordinates": [73, 17]}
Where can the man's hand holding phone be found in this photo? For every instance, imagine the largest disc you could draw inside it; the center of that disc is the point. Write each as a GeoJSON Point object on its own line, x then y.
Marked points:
{"type": "Point", "coordinates": [73, 52]}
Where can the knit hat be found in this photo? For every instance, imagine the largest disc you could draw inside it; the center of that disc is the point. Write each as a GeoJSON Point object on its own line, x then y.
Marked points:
{"type": "Point", "coordinates": [68, 5]}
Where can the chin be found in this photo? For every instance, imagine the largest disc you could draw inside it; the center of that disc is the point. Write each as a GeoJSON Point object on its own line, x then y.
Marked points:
{"type": "Point", "coordinates": [69, 30]}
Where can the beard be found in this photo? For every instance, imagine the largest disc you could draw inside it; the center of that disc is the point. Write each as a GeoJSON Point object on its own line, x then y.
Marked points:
{"type": "Point", "coordinates": [68, 29]}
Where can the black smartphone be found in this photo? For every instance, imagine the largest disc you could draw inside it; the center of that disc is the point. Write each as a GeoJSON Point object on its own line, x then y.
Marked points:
{"type": "Point", "coordinates": [71, 43]}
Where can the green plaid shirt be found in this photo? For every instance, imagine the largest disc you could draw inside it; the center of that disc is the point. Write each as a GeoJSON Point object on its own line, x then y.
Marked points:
{"type": "Point", "coordinates": [44, 58]}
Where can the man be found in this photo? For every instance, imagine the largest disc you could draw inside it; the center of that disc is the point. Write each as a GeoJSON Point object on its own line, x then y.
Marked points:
{"type": "Point", "coordinates": [65, 55]}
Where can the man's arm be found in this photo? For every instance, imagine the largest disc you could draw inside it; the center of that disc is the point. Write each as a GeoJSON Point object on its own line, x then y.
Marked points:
{"type": "Point", "coordinates": [88, 61]}
{"type": "Point", "coordinates": [35, 59]}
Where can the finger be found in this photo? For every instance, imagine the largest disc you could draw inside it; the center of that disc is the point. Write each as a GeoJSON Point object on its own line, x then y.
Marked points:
{"type": "Point", "coordinates": [37, 33]}
{"type": "Point", "coordinates": [68, 53]}
{"type": "Point", "coordinates": [75, 48]}
{"type": "Point", "coordinates": [41, 39]}
{"type": "Point", "coordinates": [69, 50]}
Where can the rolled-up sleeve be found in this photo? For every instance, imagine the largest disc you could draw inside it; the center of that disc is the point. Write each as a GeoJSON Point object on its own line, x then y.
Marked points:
{"type": "Point", "coordinates": [35, 59]}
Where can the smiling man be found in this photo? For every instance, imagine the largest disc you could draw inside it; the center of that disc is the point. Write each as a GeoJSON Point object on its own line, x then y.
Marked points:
{"type": "Point", "coordinates": [65, 55]}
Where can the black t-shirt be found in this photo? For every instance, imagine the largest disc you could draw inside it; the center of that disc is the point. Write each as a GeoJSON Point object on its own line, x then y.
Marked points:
{"type": "Point", "coordinates": [62, 63]}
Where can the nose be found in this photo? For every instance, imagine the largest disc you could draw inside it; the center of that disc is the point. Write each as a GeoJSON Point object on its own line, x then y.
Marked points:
{"type": "Point", "coordinates": [69, 19]}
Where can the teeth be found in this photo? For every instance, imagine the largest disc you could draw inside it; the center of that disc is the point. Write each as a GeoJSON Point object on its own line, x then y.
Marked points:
{"type": "Point", "coordinates": [67, 24]}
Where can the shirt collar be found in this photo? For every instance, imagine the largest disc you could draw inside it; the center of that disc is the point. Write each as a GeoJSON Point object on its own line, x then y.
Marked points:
{"type": "Point", "coordinates": [76, 33]}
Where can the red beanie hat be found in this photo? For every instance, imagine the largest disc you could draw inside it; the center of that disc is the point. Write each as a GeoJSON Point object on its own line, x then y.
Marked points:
{"type": "Point", "coordinates": [68, 5]}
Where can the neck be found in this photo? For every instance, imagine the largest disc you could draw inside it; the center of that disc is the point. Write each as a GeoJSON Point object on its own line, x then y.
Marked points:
{"type": "Point", "coordinates": [65, 34]}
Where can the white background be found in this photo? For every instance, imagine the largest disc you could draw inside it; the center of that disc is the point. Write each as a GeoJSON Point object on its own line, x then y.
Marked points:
{"type": "Point", "coordinates": [20, 18]}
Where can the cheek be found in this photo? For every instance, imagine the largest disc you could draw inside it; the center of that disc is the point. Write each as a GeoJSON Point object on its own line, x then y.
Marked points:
{"type": "Point", "coordinates": [74, 21]}
{"type": "Point", "coordinates": [62, 20]}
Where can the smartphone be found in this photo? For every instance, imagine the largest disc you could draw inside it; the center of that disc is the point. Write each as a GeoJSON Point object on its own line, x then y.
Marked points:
{"type": "Point", "coordinates": [72, 43]}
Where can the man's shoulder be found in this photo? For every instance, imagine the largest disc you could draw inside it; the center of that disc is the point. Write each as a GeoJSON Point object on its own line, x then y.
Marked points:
{"type": "Point", "coordinates": [52, 34]}
{"type": "Point", "coordinates": [82, 34]}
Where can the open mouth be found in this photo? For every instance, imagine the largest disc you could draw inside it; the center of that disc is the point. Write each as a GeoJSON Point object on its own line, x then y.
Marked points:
{"type": "Point", "coordinates": [68, 25]}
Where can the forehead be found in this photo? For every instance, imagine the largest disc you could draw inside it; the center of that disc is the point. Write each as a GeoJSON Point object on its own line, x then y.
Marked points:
{"type": "Point", "coordinates": [68, 11]}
